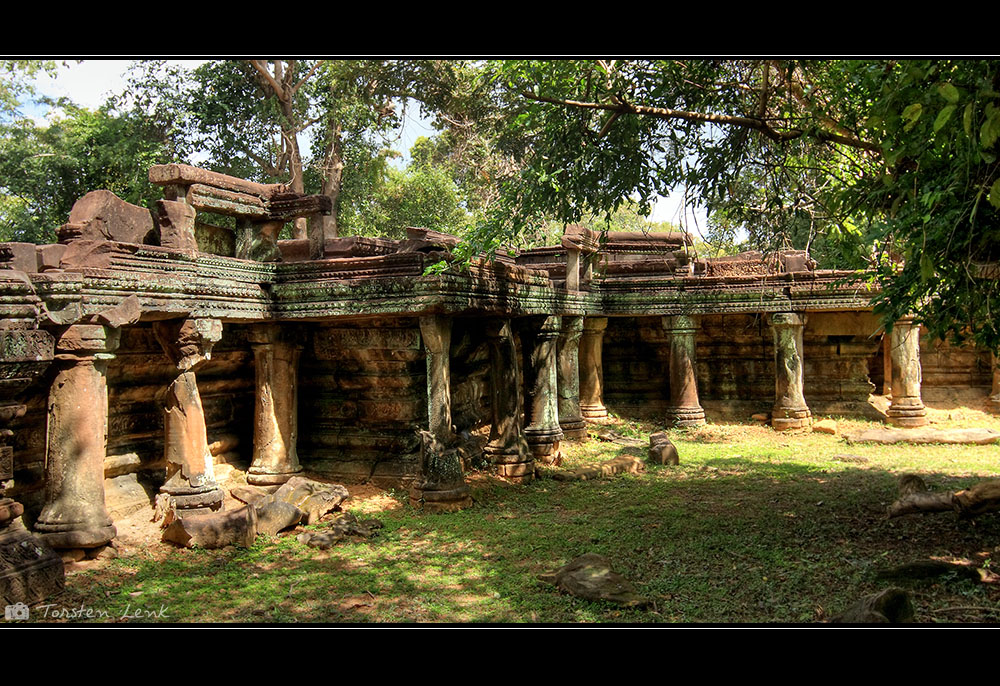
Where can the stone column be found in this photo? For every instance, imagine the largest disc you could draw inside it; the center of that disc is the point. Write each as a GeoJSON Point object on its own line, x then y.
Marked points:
{"type": "Point", "coordinates": [507, 448]}
{"type": "Point", "coordinates": [568, 374]}
{"type": "Point", "coordinates": [906, 408]}
{"type": "Point", "coordinates": [790, 410]}
{"type": "Point", "coordinates": [441, 485]}
{"type": "Point", "coordinates": [190, 481]}
{"type": "Point", "coordinates": [591, 370]}
{"type": "Point", "coordinates": [684, 408]}
{"type": "Point", "coordinates": [276, 407]}
{"type": "Point", "coordinates": [993, 402]}
{"type": "Point", "coordinates": [542, 410]}
{"type": "Point", "coordinates": [436, 333]}
{"type": "Point", "coordinates": [74, 515]}
{"type": "Point", "coordinates": [572, 270]}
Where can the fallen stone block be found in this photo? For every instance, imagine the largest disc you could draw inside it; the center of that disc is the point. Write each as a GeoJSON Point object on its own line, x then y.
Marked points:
{"type": "Point", "coordinates": [661, 450]}
{"type": "Point", "coordinates": [825, 426]}
{"type": "Point", "coordinates": [314, 498]}
{"type": "Point", "coordinates": [276, 515]}
{"type": "Point", "coordinates": [213, 530]}
{"type": "Point", "coordinates": [623, 464]}
{"type": "Point", "coordinates": [929, 435]}
{"type": "Point", "coordinates": [590, 576]}
{"type": "Point", "coordinates": [103, 216]}
{"type": "Point", "coordinates": [891, 606]}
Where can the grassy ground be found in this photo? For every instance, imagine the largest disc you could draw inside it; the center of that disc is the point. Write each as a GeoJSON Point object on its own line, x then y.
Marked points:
{"type": "Point", "coordinates": [752, 527]}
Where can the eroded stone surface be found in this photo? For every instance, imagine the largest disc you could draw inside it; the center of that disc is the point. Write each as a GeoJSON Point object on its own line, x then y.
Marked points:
{"type": "Point", "coordinates": [590, 576]}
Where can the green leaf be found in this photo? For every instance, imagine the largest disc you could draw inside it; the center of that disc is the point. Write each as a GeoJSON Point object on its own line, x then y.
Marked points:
{"type": "Point", "coordinates": [994, 196]}
{"type": "Point", "coordinates": [912, 114]}
{"type": "Point", "coordinates": [990, 131]}
{"type": "Point", "coordinates": [943, 116]}
{"type": "Point", "coordinates": [926, 267]}
{"type": "Point", "coordinates": [967, 119]}
{"type": "Point", "coordinates": [948, 92]}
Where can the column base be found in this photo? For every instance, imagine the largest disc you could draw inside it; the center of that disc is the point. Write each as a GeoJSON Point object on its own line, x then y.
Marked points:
{"type": "Point", "coordinates": [993, 404]}
{"type": "Point", "coordinates": [785, 419]}
{"type": "Point", "coordinates": [593, 411]}
{"type": "Point", "coordinates": [907, 419]}
{"type": "Point", "coordinates": [263, 477]}
{"type": "Point", "coordinates": [514, 463]}
{"type": "Point", "coordinates": [210, 499]}
{"type": "Point", "coordinates": [574, 430]}
{"type": "Point", "coordinates": [543, 443]}
{"type": "Point", "coordinates": [30, 571]}
{"type": "Point", "coordinates": [441, 500]}
{"type": "Point", "coordinates": [685, 416]}
{"type": "Point", "coordinates": [70, 536]}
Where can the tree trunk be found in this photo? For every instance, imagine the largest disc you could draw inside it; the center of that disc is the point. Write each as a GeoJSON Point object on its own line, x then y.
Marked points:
{"type": "Point", "coordinates": [915, 498]}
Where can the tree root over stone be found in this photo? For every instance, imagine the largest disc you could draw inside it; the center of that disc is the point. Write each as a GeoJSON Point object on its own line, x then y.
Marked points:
{"type": "Point", "coordinates": [915, 498]}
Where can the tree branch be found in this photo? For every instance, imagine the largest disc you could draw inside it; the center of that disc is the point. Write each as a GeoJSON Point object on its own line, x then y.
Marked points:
{"type": "Point", "coordinates": [708, 118]}
{"type": "Point", "coordinates": [305, 78]}
{"type": "Point", "coordinates": [261, 67]}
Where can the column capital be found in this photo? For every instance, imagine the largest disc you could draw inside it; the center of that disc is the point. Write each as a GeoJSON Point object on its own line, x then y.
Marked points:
{"type": "Point", "coordinates": [188, 342]}
{"type": "Point", "coordinates": [680, 323]}
{"type": "Point", "coordinates": [780, 319]}
{"type": "Point", "coordinates": [595, 325]}
{"type": "Point", "coordinates": [83, 341]}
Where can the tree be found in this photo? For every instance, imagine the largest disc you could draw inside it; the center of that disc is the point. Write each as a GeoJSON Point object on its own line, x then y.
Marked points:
{"type": "Point", "coordinates": [883, 159]}
{"type": "Point", "coordinates": [48, 168]}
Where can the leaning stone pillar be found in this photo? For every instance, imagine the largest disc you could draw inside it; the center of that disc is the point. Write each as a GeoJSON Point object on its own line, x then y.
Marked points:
{"type": "Point", "coordinates": [190, 479]}
{"type": "Point", "coordinates": [790, 410]}
{"type": "Point", "coordinates": [276, 421]}
{"type": "Point", "coordinates": [906, 408]}
{"type": "Point", "coordinates": [542, 411]}
{"type": "Point", "coordinates": [591, 370]}
{"type": "Point", "coordinates": [441, 485]}
{"type": "Point", "coordinates": [568, 375]}
{"type": "Point", "coordinates": [993, 403]}
{"type": "Point", "coordinates": [506, 448]}
{"type": "Point", "coordinates": [684, 408]}
{"type": "Point", "coordinates": [75, 515]}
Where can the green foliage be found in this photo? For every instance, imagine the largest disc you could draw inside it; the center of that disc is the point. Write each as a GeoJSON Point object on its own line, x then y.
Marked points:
{"type": "Point", "coordinates": [934, 205]}
{"type": "Point", "coordinates": [422, 196]}
{"type": "Point", "coordinates": [45, 169]}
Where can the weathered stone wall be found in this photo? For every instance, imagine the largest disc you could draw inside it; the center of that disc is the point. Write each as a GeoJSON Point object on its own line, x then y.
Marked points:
{"type": "Point", "coordinates": [470, 375]}
{"type": "Point", "coordinates": [949, 369]}
{"type": "Point", "coordinates": [735, 355]}
{"type": "Point", "coordinates": [363, 396]}
{"type": "Point", "coordinates": [636, 359]}
{"type": "Point", "coordinates": [840, 351]}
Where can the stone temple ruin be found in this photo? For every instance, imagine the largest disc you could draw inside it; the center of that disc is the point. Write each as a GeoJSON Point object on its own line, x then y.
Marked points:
{"type": "Point", "coordinates": [143, 350]}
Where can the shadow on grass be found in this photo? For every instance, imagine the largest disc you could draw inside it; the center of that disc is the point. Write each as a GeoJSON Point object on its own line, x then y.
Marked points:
{"type": "Point", "coordinates": [722, 538]}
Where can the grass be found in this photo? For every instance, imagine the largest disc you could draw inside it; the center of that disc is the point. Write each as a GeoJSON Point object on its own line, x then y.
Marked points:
{"type": "Point", "coordinates": [752, 527]}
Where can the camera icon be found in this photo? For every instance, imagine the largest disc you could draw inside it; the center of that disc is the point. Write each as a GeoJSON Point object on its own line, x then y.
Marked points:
{"type": "Point", "coordinates": [16, 612]}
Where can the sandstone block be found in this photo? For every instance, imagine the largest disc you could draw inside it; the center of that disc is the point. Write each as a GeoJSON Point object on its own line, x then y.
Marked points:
{"type": "Point", "coordinates": [102, 215]}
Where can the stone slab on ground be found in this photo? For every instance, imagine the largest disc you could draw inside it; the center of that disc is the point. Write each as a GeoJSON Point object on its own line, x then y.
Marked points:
{"type": "Point", "coordinates": [590, 576]}
{"type": "Point", "coordinates": [623, 464]}
{"type": "Point", "coordinates": [928, 435]}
